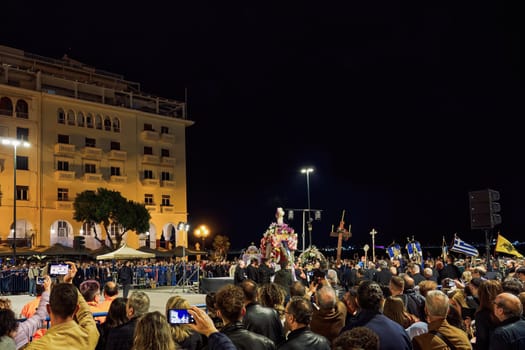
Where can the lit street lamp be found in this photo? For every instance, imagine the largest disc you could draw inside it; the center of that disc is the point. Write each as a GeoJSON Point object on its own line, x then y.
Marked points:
{"type": "Point", "coordinates": [14, 143]}
{"type": "Point", "coordinates": [202, 232]}
{"type": "Point", "coordinates": [183, 227]}
{"type": "Point", "coordinates": [307, 171]}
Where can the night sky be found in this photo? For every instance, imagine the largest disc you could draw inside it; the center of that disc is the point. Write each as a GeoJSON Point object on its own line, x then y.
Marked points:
{"type": "Point", "coordinates": [401, 108]}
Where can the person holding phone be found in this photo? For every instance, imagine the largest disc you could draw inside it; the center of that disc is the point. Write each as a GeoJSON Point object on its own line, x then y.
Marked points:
{"type": "Point", "coordinates": [182, 333]}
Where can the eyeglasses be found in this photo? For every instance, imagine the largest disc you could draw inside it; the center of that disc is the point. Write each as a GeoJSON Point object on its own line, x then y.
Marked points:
{"type": "Point", "coordinates": [498, 303]}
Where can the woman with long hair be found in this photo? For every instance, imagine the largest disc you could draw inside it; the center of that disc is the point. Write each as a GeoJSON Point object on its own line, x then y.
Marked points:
{"type": "Point", "coordinates": [183, 336]}
{"type": "Point", "coordinates": [272, 295]}
{"type": "Point", "coordinates": [395, 309]}
{"type": "Point", "coordinates": [116, 316]}
{"type": "Point", "coordinates": [152, 332]}
{"type": "Point", "coordinates": [484, 319]}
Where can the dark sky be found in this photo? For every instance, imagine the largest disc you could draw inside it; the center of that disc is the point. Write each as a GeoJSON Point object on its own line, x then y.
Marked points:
{"type": "Point", "coordinates": [402, 109]}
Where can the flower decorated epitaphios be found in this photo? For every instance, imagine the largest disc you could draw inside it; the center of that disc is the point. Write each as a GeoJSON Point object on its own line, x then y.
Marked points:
{"type": "Point", "coordinates": [279, 243]}
{"type": "Point", "coordinates": [311, 259]}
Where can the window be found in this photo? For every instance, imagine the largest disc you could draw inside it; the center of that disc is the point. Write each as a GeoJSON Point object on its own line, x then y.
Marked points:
{"type": "Point", "coordinates": [22, 193]}
{"type": "Point", "coordinates": [164, 130]}
{"type": "Point", "coordinates": [63, 194]}
{"type": "Point", "coordinates": [71, 118]}
{"type": "Point", "coordinates": [80, 119]}
{"type": "Point", "coordinates": [107, 124]}
{"type": "Point", "coordinates": [63, 165]}
{"type": "Point", "coordinates": [22, 163]}
{"type": "Point", "coordinates": [165, 176]}
{"type": "Point", "coordinates": [63, 229]}
{"type": "Point", "coordinates": [61, 116]}
{"type": "Point", "coordinates": [98, 122]}
{"type": "Point", "coordinates": [166, 200]}
{"type": "Point", "coordinates": [89, 121]}
{"type": "Point", "coordinates": [148, 127]}
{"type": "Point", "coordinates": [115, 171]}
{"type": "Point", "coordinates": [165, 152]}
{"type": "Point", "coordinates": [114, 229]}
{"type": "Point", "coordinates": [148, 174]}
{"type": "Point", "coordinates": [116, 125]}
{"type": "Point", "coordinates": [22, 134]}
{"type": "Point", "coordinates": [88, 228]}
{"type": "Point", "coordinates": [114, 145]}
{"type": "Point", "coordinates": [6, 106]}
{"type": "Point", "coordinates": [63, 139]}
{"type": "Point", "coordinates": [90, 142]}
{"type": "Point", "coordinates": [90, 168]}
{"type": "Point", "coordinates": [22, 109]}
{"type": "Point", "coordinates": [148, 150]}
{"type": "Point", "coordinates": [148, 199]}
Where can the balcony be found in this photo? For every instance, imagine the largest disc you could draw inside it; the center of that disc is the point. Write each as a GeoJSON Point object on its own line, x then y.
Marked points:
{"type": "Point", "coordinates": [64, 205]}
{"type": "Point", "coordinates": [151, 182]}
{"type": "Point", "coordinates": [151, 207]}
{"type": "Point", "coordinates": [118, 179]}
{"type": "Point", "coordinates": [167, 138]}
{"type": "Point", "coordinates": [150, 159]}
{"type": "Point", "coordinates": [150, 135]}
{"type": "Point", "coordinates": [64, 149]}
{"type": "Point", "coordinates": [92, 178]}
{"type": "Point", "coordinates": [167, 209]}
{"type": "Point", "coordinates": [92, 153]}
{"type": "Point", "coordinates": [117, 155]}
{"type": "Point", "coordinates": [169, 161]}
{"type": "Point", "coordinates": [61, 175]}
{"type": "Point", "coordinates": [168, 183]}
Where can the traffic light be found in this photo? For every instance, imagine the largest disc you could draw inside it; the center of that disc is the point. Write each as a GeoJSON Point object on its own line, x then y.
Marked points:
{"type": "Point", "coordinates": [79, 242]}
{"type": "Point", "coordinates": [484, 209]}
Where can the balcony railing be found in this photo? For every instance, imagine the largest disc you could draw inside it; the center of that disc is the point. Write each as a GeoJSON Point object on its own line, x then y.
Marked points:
{"type": "Point", "coordinates": [64, 149]}
{"type": "Point", "coordinates": [64, 205]}
{"type": "Point", "coordinates": [118, 179]}
{"type": "Point", "coordinates": [150, 159]}
{"type": "Point", "coordinates": [167, 138]}
{"type": "Point", "coordinates": [92, 153]}
{"type": "Point", "coordinates": [92, 177]}
{"type": "Point", "coordinates": [62, 175]}
{"type": "Point", "coordinates": [168, 183]}
{"type": "Point", "coordinates": [167, 209]}
{"type": "Point", "coordinates": [117, 154]}
{"type": "Point", "coordinates": [150, 135]}
{"type": "Point", "coordinates": [170, 161]}
{"type": "Point", "coordinates": [150, 182]}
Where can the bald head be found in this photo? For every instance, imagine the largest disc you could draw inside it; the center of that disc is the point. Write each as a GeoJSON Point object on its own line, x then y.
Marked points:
{"type": "Point", "coordinates": [507, 305]}
{"type": "Point", "coordinates": [110, 289]}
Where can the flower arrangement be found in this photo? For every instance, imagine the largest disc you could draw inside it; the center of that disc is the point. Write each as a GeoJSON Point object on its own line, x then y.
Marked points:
{"type": "Point", "coordinates": [278, 242]}
{"type": "Point", "coordinates": [312, 257]}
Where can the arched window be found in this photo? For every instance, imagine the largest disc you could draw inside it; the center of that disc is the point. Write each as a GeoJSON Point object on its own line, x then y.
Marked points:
{"type": "Point", "coordinates": [89, 121]}
{"type": "Point", "coordinates": [71, 117]}
{"type": "Point", "coordinates": [6, 106]}
{"type": "Point", "coordinates": [116, 125]}
{"type": "Point", "coordinates": [80, 119]}
{"type": "Point", "coordinates": [107, 124]}
{"type": "Point", "coordinates": [22, 110]}
{"type": "Point", "coordinates": [98, 122]}
{"type": "Point", "coordinates": [61, 116]}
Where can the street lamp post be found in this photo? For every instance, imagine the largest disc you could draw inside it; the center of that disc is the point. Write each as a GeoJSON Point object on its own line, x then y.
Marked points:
{"type": "Point", "coordinates": [14, 143]}
{"type": "Point", "coordinates": [185, 227]}
{"type": "Point", "coordinates": [307, 171]}
{"type": "Point", "coordinates": [202, 232]}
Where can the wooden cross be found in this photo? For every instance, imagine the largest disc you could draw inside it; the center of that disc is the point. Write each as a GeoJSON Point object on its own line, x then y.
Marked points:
{"type": "Point", "coordinates": [373, 234]}
{"type": "Point", "coordinates": [340, 234]}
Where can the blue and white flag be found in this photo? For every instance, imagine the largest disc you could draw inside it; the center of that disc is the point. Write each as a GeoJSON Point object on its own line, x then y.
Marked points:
{"type": "Point", "coordinates": [464, 248]}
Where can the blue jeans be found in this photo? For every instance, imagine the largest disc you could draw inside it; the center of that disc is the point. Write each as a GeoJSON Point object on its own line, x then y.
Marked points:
{"type": "Point", "coordinates": [32, 286]}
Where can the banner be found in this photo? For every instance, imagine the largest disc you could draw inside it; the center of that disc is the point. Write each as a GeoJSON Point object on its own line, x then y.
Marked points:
{"type": "Point", "coordinates": [464, 248]}
{"type": "Point", "coordinates": [503, 245]}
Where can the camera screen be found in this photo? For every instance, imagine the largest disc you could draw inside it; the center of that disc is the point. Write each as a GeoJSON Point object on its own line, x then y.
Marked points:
{"type": "Point", "coordinates": [58, 269]}
{"type": "Point", "coordinates": [40, 280]}
{"type": "Point", "coordinates": [179, 316]}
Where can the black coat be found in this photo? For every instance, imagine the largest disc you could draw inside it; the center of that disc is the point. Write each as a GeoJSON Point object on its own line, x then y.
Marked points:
{"type": "Point", "coordinates": [244, 339]}
{"type": "Point", "coordinates": [304, 338]}
{"type": "Point", "coordinates": [121, 337]}
{"type": "Point", "coordinates": [264, 320]}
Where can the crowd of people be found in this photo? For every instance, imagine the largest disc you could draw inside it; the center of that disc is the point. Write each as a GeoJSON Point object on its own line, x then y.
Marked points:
{"type": "Point", "coordinates": [384, 304]}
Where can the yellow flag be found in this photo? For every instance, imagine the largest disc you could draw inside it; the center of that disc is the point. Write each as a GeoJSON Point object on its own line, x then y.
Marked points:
{"type": "Point", "coordinates": [503, 245]}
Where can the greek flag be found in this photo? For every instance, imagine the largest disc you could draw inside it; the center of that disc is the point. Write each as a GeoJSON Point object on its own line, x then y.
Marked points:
{"type": "Point", "coordinates": [464, 248]}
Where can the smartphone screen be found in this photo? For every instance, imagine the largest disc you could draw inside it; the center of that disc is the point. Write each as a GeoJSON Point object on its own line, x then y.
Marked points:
{"type": "Point", "coordinates": [179, 316]}
{"type": "Point", "coordinates": [40, 280]}
{"type": "Point", "coordinates": [58, 269]}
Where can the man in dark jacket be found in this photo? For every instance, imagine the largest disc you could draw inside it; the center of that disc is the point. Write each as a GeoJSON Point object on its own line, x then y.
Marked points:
{"type": "Point", "coordinates": [298, 316]}
{"type": "Point", "coordinates": [392, 336]}
{"type": "Point", "coordinates": [125, 276]}
{"type": "Point", "coordinates": [240, 272]}
{"type": "Point", "coordinates": [266, 271]}
{"type": "Point", "coordinates": [230, 305]}
{"type": "Point", "coordinates": [121, 337]}
{"type": "Point", "coordinates": [252, 270]}
{"type": "Point", "coordinates": [260, 319]}
{"type": "Point", "coordinates": [510, 333]}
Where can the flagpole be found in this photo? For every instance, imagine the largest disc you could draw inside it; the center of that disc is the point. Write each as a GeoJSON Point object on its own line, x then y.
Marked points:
{"type": "Point", "coordinates": [487, 249]}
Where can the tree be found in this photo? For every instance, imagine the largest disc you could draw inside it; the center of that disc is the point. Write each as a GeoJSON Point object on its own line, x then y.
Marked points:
{"type": "Point", "coordinates": [106, 207]}
{"type": "Point", "coordinates": [221, 245]}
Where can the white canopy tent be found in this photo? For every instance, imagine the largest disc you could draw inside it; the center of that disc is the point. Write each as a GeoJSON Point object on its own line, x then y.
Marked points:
{"type": "Point", "coordinates": [125, 252]}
